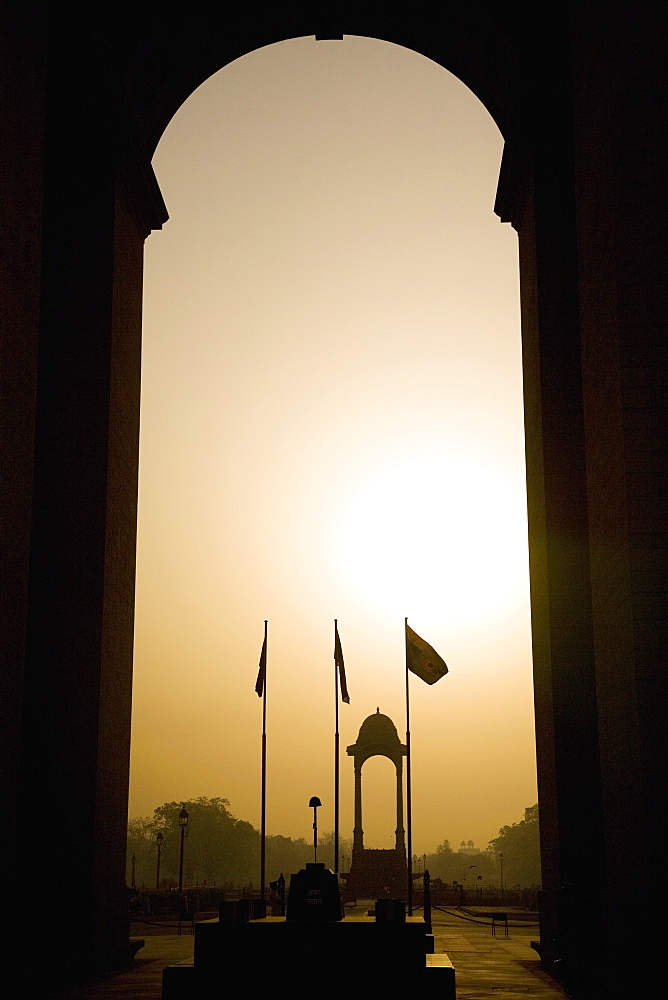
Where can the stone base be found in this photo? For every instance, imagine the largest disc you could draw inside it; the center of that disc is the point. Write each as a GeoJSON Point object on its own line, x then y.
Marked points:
{"type": "Point", "coordinates": [354, 953]}
{"type": "Point", "coordinates": [377, 874]}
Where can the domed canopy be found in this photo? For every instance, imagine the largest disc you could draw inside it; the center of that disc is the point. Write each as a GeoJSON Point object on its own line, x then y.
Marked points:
{"type": "Point", "coordinates": [378, 728]}
{"type": "Point", "coordinates": [377, 737]}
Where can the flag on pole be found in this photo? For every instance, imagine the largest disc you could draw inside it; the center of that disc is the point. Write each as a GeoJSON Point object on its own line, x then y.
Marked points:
{"type": "Point", "coordinates": [338, 660]}
{"type": "Point", "coordinates": [422, 659]}
{"type": "Point", "coordinates": [262, 672]}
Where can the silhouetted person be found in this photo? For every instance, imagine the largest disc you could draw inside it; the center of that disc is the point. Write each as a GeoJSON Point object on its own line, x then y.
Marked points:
{"type": "Point", "coordinates": [278, 901]}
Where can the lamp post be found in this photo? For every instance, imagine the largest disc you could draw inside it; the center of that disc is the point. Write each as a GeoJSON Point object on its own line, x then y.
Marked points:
{"type": "Point", "coordinates": [134, 871]}
{"type": "Point", "coordinates": [183, 823]}
{"type": "Point", "coordinates": [158, 843]}
{"type": "Point", "coordinates": [501, 863]}
{"type": "Point", "coordinates": [470, 873]}
{"type": "Point", "coordinates": [314, 803]}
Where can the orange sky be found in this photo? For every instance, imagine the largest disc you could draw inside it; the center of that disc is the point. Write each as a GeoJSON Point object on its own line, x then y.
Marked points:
{"type": "Point", "coordinates": [332, 427]}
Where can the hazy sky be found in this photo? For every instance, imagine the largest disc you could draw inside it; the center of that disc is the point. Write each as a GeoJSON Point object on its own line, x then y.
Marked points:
{"type": "Point", "coordinates": [332, 427]}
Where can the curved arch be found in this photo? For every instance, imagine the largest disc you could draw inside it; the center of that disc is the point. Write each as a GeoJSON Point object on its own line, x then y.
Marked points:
{"type": "Point", "coordinates": [381, 784]}
{"type": "Point", "coordinates": [399, 833]}
{"type": "Point", "coordinates": [377, 737]}
{"type": "Point", "coordinates": [175, 56]}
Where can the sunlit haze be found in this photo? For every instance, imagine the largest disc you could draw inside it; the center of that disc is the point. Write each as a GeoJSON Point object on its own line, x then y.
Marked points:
{"type": "Point", "coordinates": [332, 428]}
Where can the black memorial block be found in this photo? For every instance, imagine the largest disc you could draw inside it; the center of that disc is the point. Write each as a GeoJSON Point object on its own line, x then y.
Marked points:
{"type": "Point", "coordinates": [314, 895]}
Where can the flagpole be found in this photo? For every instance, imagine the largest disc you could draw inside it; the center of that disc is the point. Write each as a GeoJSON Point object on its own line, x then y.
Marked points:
{"type": "Point", "coordinates": [263, 821]}
{"type": "Point", "coordinates": [336, 759]}
{"type": "Point", "coordinates": [408, 785]}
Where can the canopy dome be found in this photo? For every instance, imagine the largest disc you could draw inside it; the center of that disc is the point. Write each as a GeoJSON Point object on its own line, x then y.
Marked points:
{"type": "Point", "coordinates": [378, 728]}
{"type": "Point", "coordinates": [377, 736]}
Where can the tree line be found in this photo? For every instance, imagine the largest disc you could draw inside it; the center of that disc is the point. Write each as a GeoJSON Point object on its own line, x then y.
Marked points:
{"type": "Point", "coordinates": [223, 850]}
{"type": "Point", "coordinates": [512, 858]}
{"type": "Point", "coordinates": [219, 849]}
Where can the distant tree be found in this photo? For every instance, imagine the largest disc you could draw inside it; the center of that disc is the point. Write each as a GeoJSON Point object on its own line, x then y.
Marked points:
{"type": "Point", "coordinates": [286, 855]}
{"type": "Point", "coordinates": [326, 849]}
{"type": "Point", "coordinates": [141, 844]}
{"type": "Point", "coordinates": [520, 847]}
{"type": "Point", "coordinates": [451, 866]}
{"type": "Point", "coordinates": [219, 847]}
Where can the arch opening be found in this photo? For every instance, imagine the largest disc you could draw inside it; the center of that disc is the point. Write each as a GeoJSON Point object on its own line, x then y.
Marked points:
{"type": "Point", "coordinates": [379, 795]}
{"type": "Point", "coordinates": [388, 506]}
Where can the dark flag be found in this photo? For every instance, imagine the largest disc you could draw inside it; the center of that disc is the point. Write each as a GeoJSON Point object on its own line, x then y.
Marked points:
{"type": "Point", "coordinates": [338, 660]}
{"type": "Point", "coordinates": [262, 672]}
{"type": "Point", "coordinates": [422, 659]}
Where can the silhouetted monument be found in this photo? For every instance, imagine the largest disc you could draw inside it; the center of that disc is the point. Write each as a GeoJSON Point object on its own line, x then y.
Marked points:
{"type": "Point", "coordinates": [377, 873]}
{"type": "Point", "coordinates": [314, 894]}
{"type": "Point", "coordinates": [580, 102]}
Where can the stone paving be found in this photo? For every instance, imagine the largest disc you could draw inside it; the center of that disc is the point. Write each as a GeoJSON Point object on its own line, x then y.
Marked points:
{"type": "Point", "coordinates": [143, 980]}
{"type": "Point", "coordinates": [504, 968]}
{"type": "Point", "coordinates": [501, 967]}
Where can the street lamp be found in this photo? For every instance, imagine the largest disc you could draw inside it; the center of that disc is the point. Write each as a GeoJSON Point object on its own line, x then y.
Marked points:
{"type": "Point", "coordinates": [158, 842]}
{"type": "Point", "coordinates": [470, 873]}
{"type": "Point", "coordinates": [183, 823]}
{"type": "Point", "coordinates": [501, 863]}
{"type": "Point", "coordinates": [314, 803]}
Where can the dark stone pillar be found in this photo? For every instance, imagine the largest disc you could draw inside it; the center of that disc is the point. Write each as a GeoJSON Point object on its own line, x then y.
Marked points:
{"type": "Point", "coordinates": [358, 833]}
{"type": "Point", "coordinates": [22, 72]}
{"type": "Point", "coordinates": [70, 820]}
{"type": "Point", "coordinates": [399, 837]}
{"type": "Point", "coordinates": [620, 134]}
{"type": "Point", "coordinates": [585, 189]}
{"type": "Point", "coordinates": [540, 200]}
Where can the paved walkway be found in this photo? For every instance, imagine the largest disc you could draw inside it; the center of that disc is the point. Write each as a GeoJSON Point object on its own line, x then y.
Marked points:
{"type": "Point", "coordinates": [505, 968]}
{"type": "Point", "coordinates": [143, 980]}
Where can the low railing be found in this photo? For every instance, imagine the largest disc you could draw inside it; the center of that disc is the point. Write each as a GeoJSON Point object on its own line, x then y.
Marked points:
{"type": "Point", "coordinates": [460, 895]}
{"type": "Point", "coordinates": [197, 899]}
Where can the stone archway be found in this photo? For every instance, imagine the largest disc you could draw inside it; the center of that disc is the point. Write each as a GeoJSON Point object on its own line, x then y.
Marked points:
{"type": "Point", "coordinates": [581, 181]}
{"type": "Point", "coordinates": [374, 872]}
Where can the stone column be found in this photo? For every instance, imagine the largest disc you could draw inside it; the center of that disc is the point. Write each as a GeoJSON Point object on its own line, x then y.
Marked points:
{"type": "Point", "coordinates": [400, 841]}
{"type": "Point", "coordinates": [72, 758]}
{"type": "Point", "coordinates": [358, 833]}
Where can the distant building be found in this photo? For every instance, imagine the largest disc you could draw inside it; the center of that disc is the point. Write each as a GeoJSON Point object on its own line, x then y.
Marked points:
{"type": "Point", "coordinates": [468, 848]}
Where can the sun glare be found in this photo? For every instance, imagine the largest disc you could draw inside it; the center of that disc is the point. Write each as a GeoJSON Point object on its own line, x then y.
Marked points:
{"type": "Point", "coordinates": [442, 533]}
